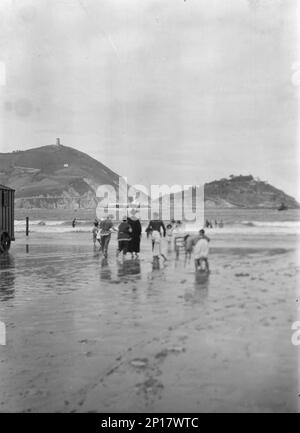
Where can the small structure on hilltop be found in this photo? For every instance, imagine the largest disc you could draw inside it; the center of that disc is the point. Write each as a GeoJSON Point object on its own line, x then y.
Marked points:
{"type": "Point", "coordinates": [7, 197]}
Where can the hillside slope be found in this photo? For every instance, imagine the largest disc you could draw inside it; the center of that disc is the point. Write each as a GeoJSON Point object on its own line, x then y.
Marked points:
{"type": "Point", "coordinates": [246, 192]}
{"type": "Point", "coordinates": [242, 192]}
{"type": "Point", "coordinates": [54, 176]}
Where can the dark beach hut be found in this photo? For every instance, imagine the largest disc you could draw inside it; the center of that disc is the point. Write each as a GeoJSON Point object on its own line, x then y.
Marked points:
{"type": "Point", "coordinates": [6, 217]}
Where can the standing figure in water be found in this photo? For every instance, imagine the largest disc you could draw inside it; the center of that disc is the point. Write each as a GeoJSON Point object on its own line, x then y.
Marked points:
{"type": "Point", "coordinates": [178, 238]}
{"type": "Point", "coordinates": [169, 232]}
{"type": "Point", "coordinates": [106, 227]}
{"type": "Point", "coordinates": [74, 222]}
{"type": "Point", "coordinates": [124, 236]}
{"type": "Point", "coordinates": [157, 229]}
{"type": "Point", "coordinates": [94, 232]}
{"type": "Point", "coordinates": [134, 244]}
{"type": "Point", "coordinates": [201, 250]}
{"type": "Point", "coordinates": [189, 242]}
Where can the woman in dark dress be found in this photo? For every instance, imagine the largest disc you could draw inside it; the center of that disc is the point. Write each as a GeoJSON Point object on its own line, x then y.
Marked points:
{"type": "Point", "coordinates": [134, 244]}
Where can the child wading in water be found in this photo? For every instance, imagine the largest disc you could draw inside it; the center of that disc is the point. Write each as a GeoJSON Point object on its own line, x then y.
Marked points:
{"type": "Point", "coordinates": [201, 250]}
{"type": "Point", "coordinates": [169, 236]}
{"type": "Point", "coordinates": [95, 232]}
{"type": "Point", "coordinates": [190, 241]}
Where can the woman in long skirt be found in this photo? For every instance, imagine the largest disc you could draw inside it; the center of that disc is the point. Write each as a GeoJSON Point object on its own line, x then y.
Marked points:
{"type": "Point", "coordinates": [134, 244]}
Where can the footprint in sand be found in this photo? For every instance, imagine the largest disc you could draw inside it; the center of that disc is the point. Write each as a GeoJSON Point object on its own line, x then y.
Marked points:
{"type": "Point", "coordinates": [139, 362]}
{"type": "Point", "coordinates": [165, 352]}
{"type": "Point", "coordinates": [162, 354]}
{"type": "Point", "coordinates": [149, 387]}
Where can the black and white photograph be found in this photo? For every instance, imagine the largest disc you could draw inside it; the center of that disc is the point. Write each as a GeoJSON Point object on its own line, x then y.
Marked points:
{"type": "Point", "coordinates": [149, 208]}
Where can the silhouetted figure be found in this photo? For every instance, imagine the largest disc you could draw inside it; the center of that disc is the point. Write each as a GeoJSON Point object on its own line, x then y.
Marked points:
{"type": "Point", "coordinates": [134, 244]}
{"type": "Point", "coordinates": [124, 236]}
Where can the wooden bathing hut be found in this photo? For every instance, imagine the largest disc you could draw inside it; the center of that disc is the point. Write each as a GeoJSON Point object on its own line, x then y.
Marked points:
{"type": "Point", "coordinates": [7, 216]}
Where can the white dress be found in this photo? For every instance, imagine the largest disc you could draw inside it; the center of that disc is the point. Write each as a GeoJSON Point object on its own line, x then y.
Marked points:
{"type": "Point", "coordinates": [201, 249]}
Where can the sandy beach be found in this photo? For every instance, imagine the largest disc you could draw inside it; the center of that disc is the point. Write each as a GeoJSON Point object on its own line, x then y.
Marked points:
{"type": "Point", "coordinates": [86, 335]}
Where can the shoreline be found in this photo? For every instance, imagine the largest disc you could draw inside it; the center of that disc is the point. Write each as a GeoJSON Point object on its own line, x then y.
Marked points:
{"type": "Point", "coordinates": [90, 214]}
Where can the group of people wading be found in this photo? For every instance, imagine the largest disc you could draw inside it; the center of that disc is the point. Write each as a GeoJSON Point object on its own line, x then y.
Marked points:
{"type": "Point", "coordinates": [129, 234]}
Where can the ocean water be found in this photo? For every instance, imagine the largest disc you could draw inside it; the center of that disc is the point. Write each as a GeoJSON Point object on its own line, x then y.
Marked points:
{"type": "Point", "coordinates": [234, 221]}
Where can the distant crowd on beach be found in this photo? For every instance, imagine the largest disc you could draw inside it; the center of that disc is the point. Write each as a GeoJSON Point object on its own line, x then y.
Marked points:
{"type": "Point", "coordinates": [129, 232]}
{"type": "Point", "coordinates": [211, 224]}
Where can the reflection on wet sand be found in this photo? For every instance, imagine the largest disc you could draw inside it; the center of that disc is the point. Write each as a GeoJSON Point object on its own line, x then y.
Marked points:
{"type": "Point", "coordinates": [155, 264]}
{"type": "Point", "coordinates": [105, 271]}
{"type": "Point", "coordinates": [201, 285]}
{"type": "Point", "coordinates": [7, 277]}
{"type": "Point", "coordinates": [201, 279]}
{"type": "Point", "coordinates": [129, 267]}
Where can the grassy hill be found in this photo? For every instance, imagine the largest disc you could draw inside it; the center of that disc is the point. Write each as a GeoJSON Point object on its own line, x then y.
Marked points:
{"type": "Point", "coordinates": [244, 192]}
{"type": "Point", "coordinates": [54, 176]}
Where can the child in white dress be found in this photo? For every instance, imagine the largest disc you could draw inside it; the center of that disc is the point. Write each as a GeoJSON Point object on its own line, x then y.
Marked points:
{"type": "Point", "coordinates": [201, 250]}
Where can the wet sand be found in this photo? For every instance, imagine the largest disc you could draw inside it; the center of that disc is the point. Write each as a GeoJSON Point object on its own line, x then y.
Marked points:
{"type": "Point", "coordinates": [86, 335]}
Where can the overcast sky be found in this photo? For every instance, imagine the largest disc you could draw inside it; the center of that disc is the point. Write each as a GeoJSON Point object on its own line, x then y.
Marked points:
{"type": "Point", "coordinates": [166, 91]}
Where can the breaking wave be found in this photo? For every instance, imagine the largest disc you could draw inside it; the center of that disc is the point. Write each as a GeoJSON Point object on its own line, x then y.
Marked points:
{"type": "Point", "coordinates": [245, 226]}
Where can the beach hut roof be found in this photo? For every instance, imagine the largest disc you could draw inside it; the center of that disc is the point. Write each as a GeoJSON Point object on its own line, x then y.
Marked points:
{"type": "Point", "coordinates": [6, 188]}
